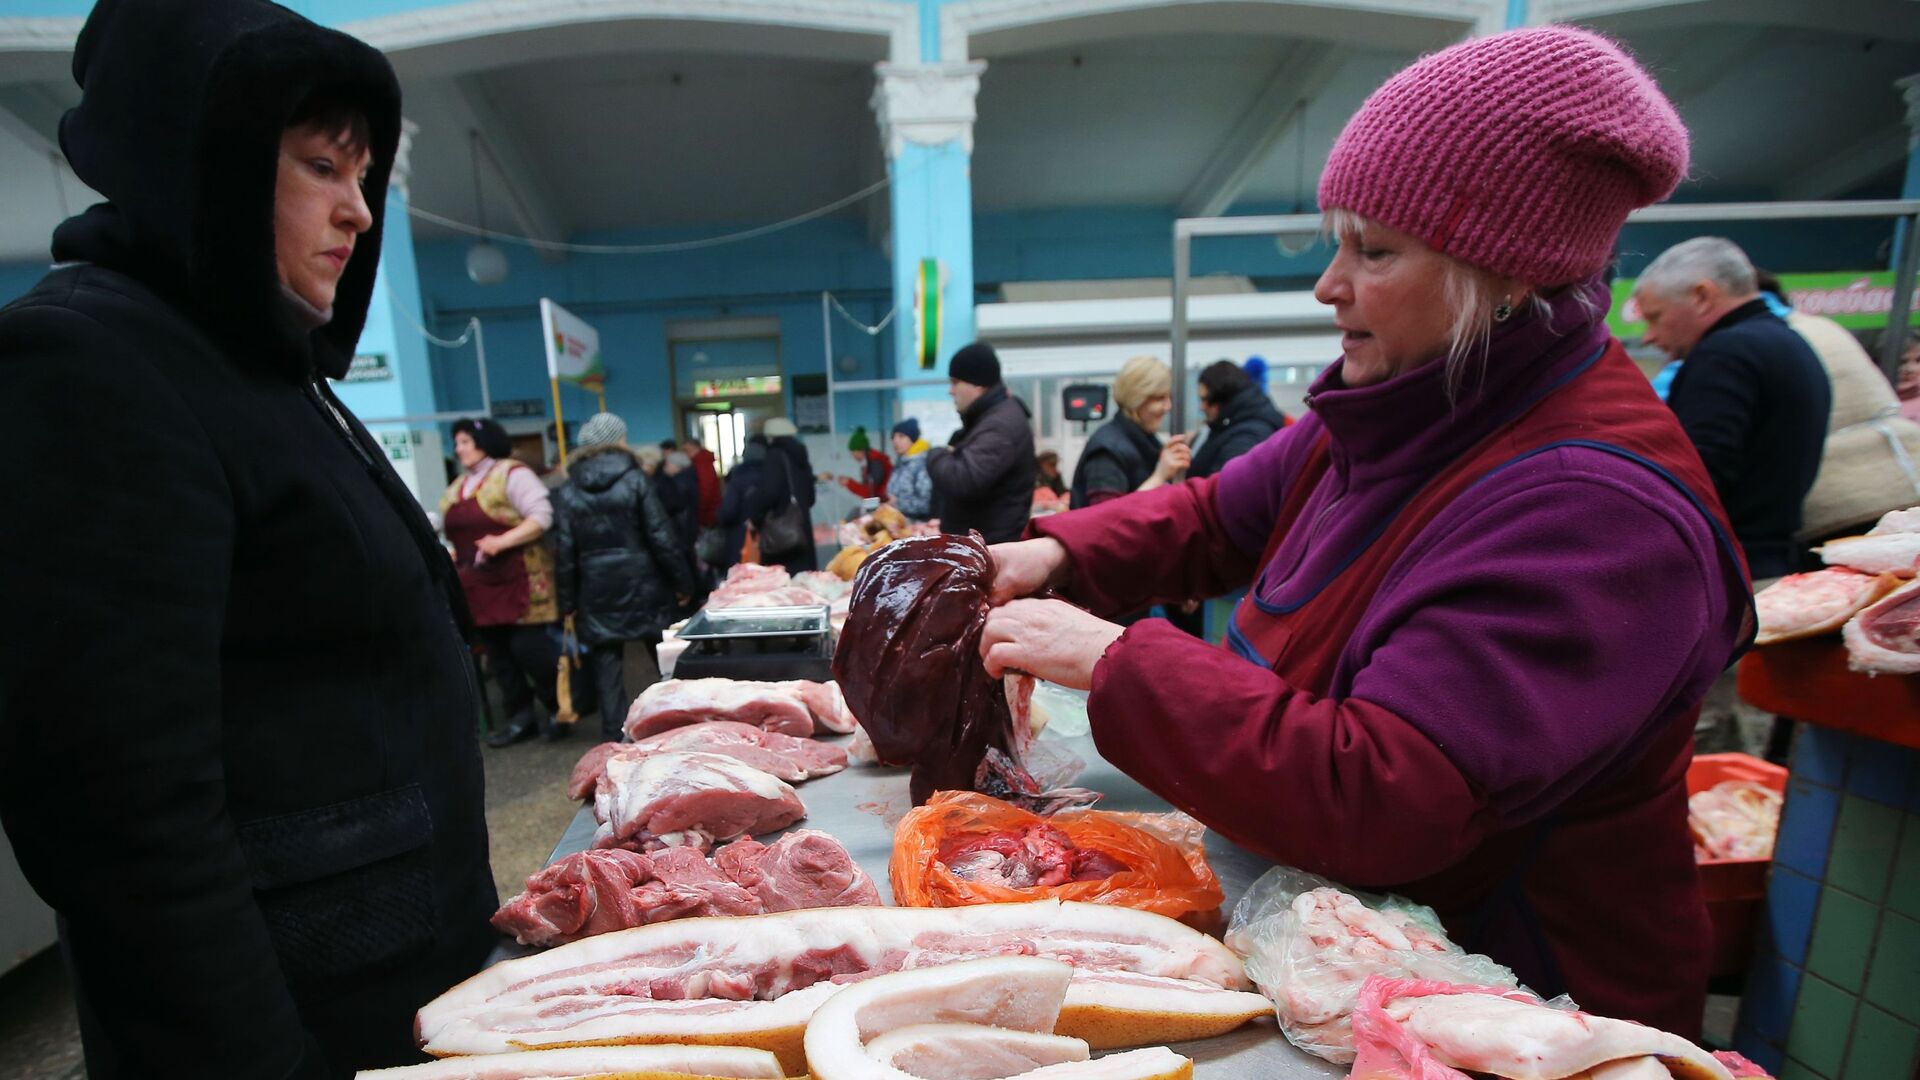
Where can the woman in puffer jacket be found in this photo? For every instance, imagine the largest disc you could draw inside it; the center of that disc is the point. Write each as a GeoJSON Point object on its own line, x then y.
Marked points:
{"type": "Point", "coordinates": [619, 568]}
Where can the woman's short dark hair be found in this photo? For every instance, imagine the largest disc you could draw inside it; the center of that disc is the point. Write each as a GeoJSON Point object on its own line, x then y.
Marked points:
{"type": "Point", "coordinates": [488, 435]}
{"type": "Point", "coordinates": [1223, 379]}
{"type": "Point", "coordinates": [334, 115]}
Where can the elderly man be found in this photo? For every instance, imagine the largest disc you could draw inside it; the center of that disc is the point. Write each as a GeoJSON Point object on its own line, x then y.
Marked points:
{"type": "Point", "coordinates": [984, 480]}
{"type": "Point", "coordinates": [1751, 394]}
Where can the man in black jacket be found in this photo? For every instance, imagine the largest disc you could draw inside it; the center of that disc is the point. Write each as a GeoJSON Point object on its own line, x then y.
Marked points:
{"type": "Point", "coordinates": [237, 719]}
{"type": "Point", "coordinates": [984, 480]}
{"type": "Point", "coordinates": [1752, 395]}
{"type": "Point", "coordinates": [1239, 414]}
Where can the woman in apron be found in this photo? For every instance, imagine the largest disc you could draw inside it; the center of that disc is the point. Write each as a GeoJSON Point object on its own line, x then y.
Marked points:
{"type": "Point", "coordinates": [1490, 579]}
{"type": "Point", "coordinates": [494, 514]}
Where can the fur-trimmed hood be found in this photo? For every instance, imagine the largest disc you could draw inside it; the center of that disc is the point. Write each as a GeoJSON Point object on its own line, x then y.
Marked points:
{"type": "Point", "coordinates": [182, 106]}
{"type": "Point", "coordinates": [598, 468]}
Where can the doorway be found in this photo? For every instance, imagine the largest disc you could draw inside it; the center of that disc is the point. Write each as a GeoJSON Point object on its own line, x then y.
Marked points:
{"type": "Point", "coordinates": [727, 382]}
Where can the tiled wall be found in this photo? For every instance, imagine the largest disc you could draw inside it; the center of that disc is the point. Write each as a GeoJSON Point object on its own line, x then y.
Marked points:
{"type": "Point", "coordinates": [1834, 991]}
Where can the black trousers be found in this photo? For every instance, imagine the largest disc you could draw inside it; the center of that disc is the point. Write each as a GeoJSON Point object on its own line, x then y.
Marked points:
{"type": "Point", "coordinates": [524, 663]}
{"type": "Point", "coordinates": [607, 662]}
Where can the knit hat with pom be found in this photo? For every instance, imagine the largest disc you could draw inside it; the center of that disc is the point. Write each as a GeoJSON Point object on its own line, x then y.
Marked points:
{"type": "Point", "coordinates": [1520, 153]}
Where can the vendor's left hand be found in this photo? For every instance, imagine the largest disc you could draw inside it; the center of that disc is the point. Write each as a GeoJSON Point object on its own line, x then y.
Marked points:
{"type": "Point", "coordinates": [490, 545]}
{"type": "Point", "coordinates": [1050, 639]}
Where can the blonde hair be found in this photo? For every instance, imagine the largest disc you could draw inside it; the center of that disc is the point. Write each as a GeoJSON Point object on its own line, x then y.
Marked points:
{"type": "Point", "coordinates": [1470, 294]}
{"type": "Point", "coordinates": [1141, 378]}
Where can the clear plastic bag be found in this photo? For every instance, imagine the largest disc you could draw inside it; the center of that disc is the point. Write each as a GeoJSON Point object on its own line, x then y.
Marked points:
{"type": "Point", "coordinates": [1309, 945]}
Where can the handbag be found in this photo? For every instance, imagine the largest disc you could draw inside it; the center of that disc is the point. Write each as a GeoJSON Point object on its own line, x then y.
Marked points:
{"type": "Point", "coordinates": [789, 527]}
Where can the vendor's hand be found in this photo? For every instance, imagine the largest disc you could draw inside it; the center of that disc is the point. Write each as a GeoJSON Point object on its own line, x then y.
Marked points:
{"type": "Point", "coordinates": [1049, 639]}
{"type": "Point", "coordinates": [1025, 567]}
{"type": "Point", "coordinates": [1175, 458]}
{"type": "Point", "coordinates": [490, 545]}
{"type": "Point", "coordinates": [1188, 607]}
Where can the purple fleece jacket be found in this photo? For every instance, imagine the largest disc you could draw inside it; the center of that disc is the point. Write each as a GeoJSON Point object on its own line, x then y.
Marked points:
{"type": "Point", "coordinates": [1542, 628]}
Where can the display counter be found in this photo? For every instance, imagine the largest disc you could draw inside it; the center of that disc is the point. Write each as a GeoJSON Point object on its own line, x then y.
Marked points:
{"type": "Point", "coordinates": [860, 806]}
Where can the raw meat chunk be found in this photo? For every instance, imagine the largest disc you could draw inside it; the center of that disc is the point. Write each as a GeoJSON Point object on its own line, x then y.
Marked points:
{"type": "Point", "coordinates": [1806, 605]}
{"type": "Point", "coordinates": [597, 891]}
{"type": "Point", "coordinates": [803, 869]}
{"type": "Point", "coordinates": [784, 756]}
{"type": "Point", "coordinates": [679, 702]}
{"type": "Point", "coordinates": [1885, 637]}
{"type": "Point", "coordinates": [909, 661]}
{"type": "Point", "coordinates": [688, 799]}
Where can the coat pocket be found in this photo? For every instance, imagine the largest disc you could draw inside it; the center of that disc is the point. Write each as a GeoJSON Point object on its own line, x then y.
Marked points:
{"type": "Point", "coordinates": [347, 889]}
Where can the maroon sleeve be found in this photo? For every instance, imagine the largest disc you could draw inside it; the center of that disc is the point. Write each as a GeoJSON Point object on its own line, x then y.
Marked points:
{"type": "Point", "coordinates": [1152, 547]}
{"type": "Point", "coordinates": [1342, 788]}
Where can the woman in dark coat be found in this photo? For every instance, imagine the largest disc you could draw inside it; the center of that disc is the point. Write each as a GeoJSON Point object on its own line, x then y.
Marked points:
{"type": "Point", "coordinates": [1125, 455]}
{"type": "Point", "coordinates": [618, 566]}
{"type": "Point", "coordinates": [237, 719]}
{"type": "Point", "coordinates": [789, 480]}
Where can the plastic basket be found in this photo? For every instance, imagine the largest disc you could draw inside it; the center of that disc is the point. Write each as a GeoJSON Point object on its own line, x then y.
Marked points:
{"type": "Point", "coordinates": [1736, 889]}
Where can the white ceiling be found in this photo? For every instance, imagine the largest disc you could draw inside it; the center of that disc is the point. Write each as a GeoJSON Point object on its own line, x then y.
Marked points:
{"type": "Point", "coordinates": [605, 127]}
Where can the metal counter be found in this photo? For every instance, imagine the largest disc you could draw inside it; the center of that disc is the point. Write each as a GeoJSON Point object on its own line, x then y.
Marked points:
{"type": "Point", "coordinates": [860, 806]}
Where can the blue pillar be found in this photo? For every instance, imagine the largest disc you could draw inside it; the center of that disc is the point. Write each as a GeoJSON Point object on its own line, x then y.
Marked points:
{"type": "Point", "coordinates": [392, 376]}
{"type": "Point", "coordinates": [926, 114]}
{"type": "Point", "coordinates": [1516, 14]}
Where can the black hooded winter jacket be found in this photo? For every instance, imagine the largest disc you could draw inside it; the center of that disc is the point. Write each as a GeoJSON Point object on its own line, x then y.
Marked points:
{"type": "Point", "coordinates": [237, 718]}
{"type": "Point", "coordinates": [618, 561]}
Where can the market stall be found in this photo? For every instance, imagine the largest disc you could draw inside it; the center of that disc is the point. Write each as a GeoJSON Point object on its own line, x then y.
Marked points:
{"type": "Point", "coordinates": [861, 805]}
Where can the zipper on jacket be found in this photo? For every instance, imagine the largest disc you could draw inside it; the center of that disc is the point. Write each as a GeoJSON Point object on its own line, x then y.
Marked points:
{"type": "Point", "coordinates": [339, 422]}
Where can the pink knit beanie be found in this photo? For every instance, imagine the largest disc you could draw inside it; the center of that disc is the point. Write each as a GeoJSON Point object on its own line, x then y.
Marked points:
{"type": "Point", "coordinates": [1521, 153]}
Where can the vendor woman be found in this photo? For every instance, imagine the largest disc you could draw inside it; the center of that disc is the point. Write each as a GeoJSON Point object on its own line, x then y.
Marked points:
{"type": "Point", "coordinates": [1490, 580]}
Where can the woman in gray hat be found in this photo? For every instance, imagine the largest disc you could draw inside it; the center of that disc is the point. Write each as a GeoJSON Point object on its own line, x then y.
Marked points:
{"type": "Point", "coordinates": [617, 560]}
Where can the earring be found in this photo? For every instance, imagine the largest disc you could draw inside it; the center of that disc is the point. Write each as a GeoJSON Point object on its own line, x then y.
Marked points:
{"type": "Point", "coordinates": [1504, 309]}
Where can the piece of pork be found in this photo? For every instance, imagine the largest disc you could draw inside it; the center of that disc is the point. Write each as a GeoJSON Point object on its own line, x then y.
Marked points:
{"type": "Point", "coordinates": [1137, 977]}
{"type": "Point", "coordinates": [679, 702]}
{"type": "Point", "coordinates": [1423, 1028]}
{"type": "Point", "coordinates": [599, 891]}
{"type": "Point", "coordinates": [1884, 638]}
{"type": "Point", "coordinates": [803, 869]}
{"type": "Point", "coordinates": [827, 704]}
{"type": "Point", "coordinates": [1807, 605]}
{"type": "Point", "coordinates": [982, 1019]}
{"type": "Point", "coordinates": [1875, 553]}
{"type": "Point", "coordinates": [669, 799]}
{"type": "Point", "coordinates": [784, 756]}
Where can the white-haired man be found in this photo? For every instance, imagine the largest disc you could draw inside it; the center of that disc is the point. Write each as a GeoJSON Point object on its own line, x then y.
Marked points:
{"type": "Point", "coordinates": [1752, 395]}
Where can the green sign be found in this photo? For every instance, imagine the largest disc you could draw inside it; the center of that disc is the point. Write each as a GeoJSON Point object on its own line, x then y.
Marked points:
{"type": "Point", "coordinates": [368, 367]}
{"type": "Point", "coordinates": [399, 444]}
{"type": "Point", "coordinates": [1857, 300]}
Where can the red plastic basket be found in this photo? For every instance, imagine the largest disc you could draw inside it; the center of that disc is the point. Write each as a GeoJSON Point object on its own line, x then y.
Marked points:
{"type": "Point", "coordinates": [1736, 889]}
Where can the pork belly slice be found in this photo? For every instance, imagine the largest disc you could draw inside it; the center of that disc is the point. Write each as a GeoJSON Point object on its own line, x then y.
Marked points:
{"type": "Point", "coordinates": [974, 1020]}
{"type": "Point", "coordinates": [600, 891]}
{"type": "Point", "coordinates": [662, 798]}
{"type": "Point", "coordinates": [1807, 605]}
{"type": "Point", "coordinates": [1884, 638]}
{"type": "Point", "coordinates": [583, 1063]}
{"type": "Point", "coordinates": [679, 702]}
{"type": "Point", "coordinates": [1875, 553]}
{"type": "Point", "coordinates": [1478, 1030]}
{"type": "Point", "coordinates": [754, 981]}
{"type": "Point", "coordinates": [783, 756]}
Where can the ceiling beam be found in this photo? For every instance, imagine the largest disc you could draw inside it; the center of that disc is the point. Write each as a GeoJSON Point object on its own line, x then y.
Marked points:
{"type": "Point", "coordinates": [1891, 20]}
{"type": "Point", "coordinates": [529, 197]}
{"type": "Point", "coordinates": [1302, 73]}
{"type": "Point", "coordinates": [1842, 171]}
{"type": "Point", "coordinates": [1709, 61]}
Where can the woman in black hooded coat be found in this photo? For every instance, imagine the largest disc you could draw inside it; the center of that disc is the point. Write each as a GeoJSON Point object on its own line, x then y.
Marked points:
{"type": "Point", "coordinates": [237, 718]}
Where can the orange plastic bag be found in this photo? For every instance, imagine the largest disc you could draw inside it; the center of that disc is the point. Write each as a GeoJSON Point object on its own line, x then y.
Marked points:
{"type": "Point", "coordinates": [1164, 871]}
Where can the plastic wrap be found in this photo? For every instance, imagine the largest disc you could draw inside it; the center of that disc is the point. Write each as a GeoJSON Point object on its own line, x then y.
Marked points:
{"type": "Point", "coordinates": [1152, 862]}
{"type": "Point", "coordinates": [1309, 945]}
